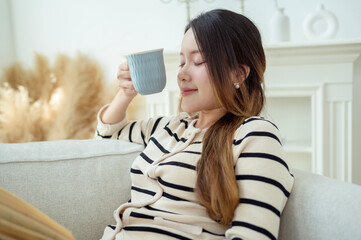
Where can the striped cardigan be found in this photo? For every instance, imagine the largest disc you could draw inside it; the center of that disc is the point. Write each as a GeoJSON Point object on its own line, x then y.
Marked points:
{"type": "Point", "coordinates": [163, 203]}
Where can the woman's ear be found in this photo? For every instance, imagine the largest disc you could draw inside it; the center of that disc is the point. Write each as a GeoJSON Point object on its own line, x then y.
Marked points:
{"type": "Point", "coordinates": [244, 71]}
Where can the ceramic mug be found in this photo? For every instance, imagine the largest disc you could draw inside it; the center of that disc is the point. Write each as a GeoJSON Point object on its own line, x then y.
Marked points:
{"type": "Point", "coordinates": [147, 71]}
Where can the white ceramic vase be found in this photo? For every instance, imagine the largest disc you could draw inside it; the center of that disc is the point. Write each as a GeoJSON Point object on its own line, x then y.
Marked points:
{"type": "Point", "coordinates": [320, 14]}
{"type": "Point", "coordinates": [279, 27]}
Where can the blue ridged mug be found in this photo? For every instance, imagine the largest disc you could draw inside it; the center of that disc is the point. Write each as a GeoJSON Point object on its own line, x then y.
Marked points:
{"type": "Point", "coordinates": [147, 71]}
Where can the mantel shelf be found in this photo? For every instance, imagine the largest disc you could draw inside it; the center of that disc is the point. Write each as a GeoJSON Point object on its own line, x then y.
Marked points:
{"type": "Point", "coordinates": [315, 44]}
{"type": "Point", "coordinates": [326, 52]}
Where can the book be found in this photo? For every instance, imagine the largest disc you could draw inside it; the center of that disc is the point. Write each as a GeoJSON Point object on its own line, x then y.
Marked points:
{"type": "Point", "coordinates": [20, 220]}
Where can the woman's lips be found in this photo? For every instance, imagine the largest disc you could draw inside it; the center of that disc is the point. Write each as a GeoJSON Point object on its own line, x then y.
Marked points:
{"type": "Point", "coordinates": [186, 92]}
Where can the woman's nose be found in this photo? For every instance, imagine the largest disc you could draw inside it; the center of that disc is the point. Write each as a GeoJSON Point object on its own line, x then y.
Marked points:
{"type": "Point", "coordinates": [183, 74]}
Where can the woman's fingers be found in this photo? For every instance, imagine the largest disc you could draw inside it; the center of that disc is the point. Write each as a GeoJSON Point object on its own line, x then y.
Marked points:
{"type": "Point", "coordinates": [123, 74]}
{"type": "Point", "coordinates": [123, 71]}
{"type": "Point", "coordinates": [125, 83]}
{"type": "Point", "coordinates": [124, 80]}
{"type": "Point", "coordinates": [124, 66]}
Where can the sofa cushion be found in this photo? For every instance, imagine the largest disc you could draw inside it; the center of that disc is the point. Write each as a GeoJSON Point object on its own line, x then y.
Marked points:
{"type": "Point", "coordinates": [321, 208]}
{"type": "Point", "coordinates": [78, 183]}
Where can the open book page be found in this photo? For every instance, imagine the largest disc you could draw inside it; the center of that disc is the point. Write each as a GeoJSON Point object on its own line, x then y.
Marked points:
{"type": "Point", "coordinates": [19, 219]}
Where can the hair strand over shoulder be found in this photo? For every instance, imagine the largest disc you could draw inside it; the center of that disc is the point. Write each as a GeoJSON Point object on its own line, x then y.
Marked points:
{"type": "Point", "coordinates": [227, 41]}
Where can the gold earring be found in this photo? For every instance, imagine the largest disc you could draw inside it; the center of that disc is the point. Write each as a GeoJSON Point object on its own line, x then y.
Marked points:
{"type": "Point", "coordinates": [236, 85]}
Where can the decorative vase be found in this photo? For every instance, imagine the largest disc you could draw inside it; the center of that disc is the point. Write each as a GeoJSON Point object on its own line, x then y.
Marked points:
{"type": "Point", "coordinates": [280, 26]}
{"type": "Point", "coordinates": [320, 14]}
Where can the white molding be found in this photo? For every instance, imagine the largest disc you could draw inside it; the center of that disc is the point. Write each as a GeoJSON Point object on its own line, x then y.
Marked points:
{"type": "Point", "coordinates": [318, 141]}
{"type": "Point", "coordinates": [311, 54]}
{"type": "Point", "coordinates": [331, 144]}
{"type": "Point", "coordinates": [165, 103]}
{"type": "Point", "coordinates": [340, 144]}
{"type": "Point", "coordinates": [291, 90]}
{"type": "Point", "coordinates": [349, 145]}
{"type": "Point", "coordinates": [330, 58]}
{"type": "Point", "coordinates": [319, 48]}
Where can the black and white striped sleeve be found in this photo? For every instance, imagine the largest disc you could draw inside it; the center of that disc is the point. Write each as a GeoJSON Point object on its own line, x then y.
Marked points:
{"type": "Point", "coordinates": [133, 131]}
{"type": "Point", "coordinates": [264, 181]}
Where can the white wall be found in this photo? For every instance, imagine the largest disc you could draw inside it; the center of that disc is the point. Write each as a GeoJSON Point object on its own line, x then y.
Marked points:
{"type": "Point", "coordinates": [109, 29]}
{"type": "Point", "coordinates": [105, 29]}
{"type": "Point", "coordinates": [7, 54]}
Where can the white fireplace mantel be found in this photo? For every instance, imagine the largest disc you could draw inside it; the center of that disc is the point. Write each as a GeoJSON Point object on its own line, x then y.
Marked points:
{"type": "Point", "coordinates": [313, 95]}
{"type": "Point", "coordinates": [328, 77]}
{"type": "Point", "coordinates": [329, 52]}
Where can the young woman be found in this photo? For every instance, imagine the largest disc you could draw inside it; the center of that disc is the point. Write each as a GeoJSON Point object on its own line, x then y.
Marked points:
{"type": "Point", "coordinates": [216, 170]}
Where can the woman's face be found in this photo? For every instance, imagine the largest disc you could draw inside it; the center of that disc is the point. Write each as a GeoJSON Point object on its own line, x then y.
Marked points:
{"type": "Point", "coordinates": [193, 78]}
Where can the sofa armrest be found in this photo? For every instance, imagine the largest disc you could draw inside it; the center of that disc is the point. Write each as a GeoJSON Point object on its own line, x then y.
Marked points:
{"type": "Point", "coordinates": [78, 183]}
{"type": "Point", "coordinates": [321, 208]}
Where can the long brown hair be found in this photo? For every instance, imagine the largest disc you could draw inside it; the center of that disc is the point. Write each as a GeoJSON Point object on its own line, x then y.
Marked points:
{"type": "Point", "coordinates": [227, 41]}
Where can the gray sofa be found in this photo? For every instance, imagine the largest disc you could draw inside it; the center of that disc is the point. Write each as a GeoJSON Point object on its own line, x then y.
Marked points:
{"type": "Point", "coordinates": [79, 183]}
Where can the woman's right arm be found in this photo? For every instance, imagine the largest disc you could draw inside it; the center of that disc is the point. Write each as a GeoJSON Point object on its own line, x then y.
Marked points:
{"type": "Point", "coordinates": [115, 112]}
{"type": "Point", "coordinates": [112, 123]}
{"type": "Point", "coordinates": [111, 118]}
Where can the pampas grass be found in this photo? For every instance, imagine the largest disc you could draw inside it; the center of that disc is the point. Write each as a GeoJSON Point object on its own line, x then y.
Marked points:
{"type": "Point", "coordinates": [21, 118]}
{"type": "Point", "coordinates": [83, 93]}
{"type": "Point", "coordinates": [53, 102]}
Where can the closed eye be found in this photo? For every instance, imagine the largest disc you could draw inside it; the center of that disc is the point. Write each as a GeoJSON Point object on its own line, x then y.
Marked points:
{"type": "Point", "coordinates": [195, 63]}
{"type": "Point", "coordinates": [200, 63]}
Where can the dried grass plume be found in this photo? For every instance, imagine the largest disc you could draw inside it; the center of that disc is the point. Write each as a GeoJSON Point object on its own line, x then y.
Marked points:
{"type": "Point", "coordinates": [53, 102]}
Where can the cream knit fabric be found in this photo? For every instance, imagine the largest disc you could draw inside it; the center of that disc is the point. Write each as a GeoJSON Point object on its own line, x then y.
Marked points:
{"type": "Point", "coordinates": [163, 202]}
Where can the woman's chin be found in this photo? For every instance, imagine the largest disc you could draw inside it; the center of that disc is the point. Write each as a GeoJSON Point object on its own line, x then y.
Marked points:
{"type": "Point", "coordinates": [188, 109]}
